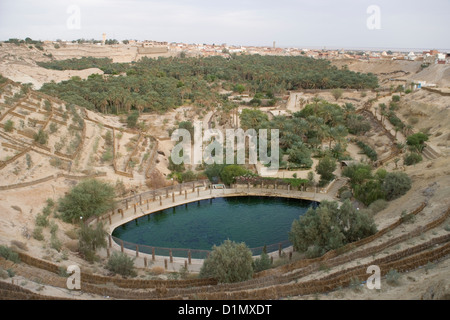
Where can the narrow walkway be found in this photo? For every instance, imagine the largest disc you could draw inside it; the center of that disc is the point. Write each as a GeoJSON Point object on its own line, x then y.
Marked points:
{"type": "Point", "coordinates": [176, 198]}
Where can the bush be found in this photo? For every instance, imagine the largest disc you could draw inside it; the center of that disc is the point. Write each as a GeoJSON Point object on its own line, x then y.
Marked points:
{"type": "Point", "coordinates": [356, 124]}
{"type": "Point", "coordinates": [132, 119]}
{"type": "Point", "coordinates": [9, 254]}
{"type": "Point", "coordinates": [120, 263]}
{"type": "Point", "coordinates": [355, 284]}
{"type": "Point", "coordinates": [55, 243]}
{"type": "Point", "coordinates": [369, 191]}
{"type": "Point", "coordinates": [325, 168]}
{"type": "Point", "coordinates": [41, 220]}
{"type": "Point", "coordinates": [357, 172]}
{"type": "Point", "coordinates": [337, 93]}
{"type": "Point", "coordinates": [395, 121]}
{"type": "Point", "coordinates": [407, 217]}
{"type": "Point", "coordinates": [396, 184]}
{"type": "Point", "coordinates": [262, 263]}
{"type": "Point", "coordinates": [108, 155]}
{"type": "Point", "coordinates": [229, 173]}
{"type": "Point", "coordinates": [378, 205]}
{"type": "Point", "coordinates": [53, 127]}
{"type": "Point", "coordinates": [346, 194]}
{"type": "Point", "coordinates": [300, 157]}
{"type": "Point", "coordinates": [412, 158]}
{"type": "Point", "coordinates": [9, 126]}
{"type": "Point", "coordinates": [393, 277]}
{"type": "Point", "coordinates": [89, 239]}
{"type": "Point", "coordinates": [188, 176]}
{"type": "Point", "coordinates": [368, 151]}
{"type": "Point", "coordinates": [396, 98]}
{"type": "Point", "coordinates": [416, 141]}
{"type": "Point", "coordinates": [37, 234]}
{"type": "Point", "coordinates": [41, 137]}
{"type": "Point", "coordinates": [89, 198]}
{"type": "Point", "coordinates": [229, 262]}
{"type": "Point", "coordinates": [329, 227]}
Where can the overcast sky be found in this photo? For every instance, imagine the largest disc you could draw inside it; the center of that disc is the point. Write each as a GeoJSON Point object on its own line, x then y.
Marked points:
{"type": "Point", "coordinates": [291, 23]}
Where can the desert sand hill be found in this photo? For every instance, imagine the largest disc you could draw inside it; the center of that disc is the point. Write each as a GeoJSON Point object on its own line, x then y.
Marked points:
{"type": "Point", "coordinates": [400, 69]}
{"type": "Point", "coordinates": [18, 62]}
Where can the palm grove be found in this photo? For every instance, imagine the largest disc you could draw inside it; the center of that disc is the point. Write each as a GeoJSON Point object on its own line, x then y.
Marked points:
{"type": "Point", "coordinates": [165, 83]}
{"type": "Point", "coordinates": [160, 85]}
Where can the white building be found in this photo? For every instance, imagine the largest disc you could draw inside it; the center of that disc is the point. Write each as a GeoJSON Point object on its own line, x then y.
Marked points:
{"type": "Point", "coordinates": [411, 56]}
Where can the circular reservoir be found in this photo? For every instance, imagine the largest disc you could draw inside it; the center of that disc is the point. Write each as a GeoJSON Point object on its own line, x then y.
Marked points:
{"type": "Point", "coordinates": [199, 225]}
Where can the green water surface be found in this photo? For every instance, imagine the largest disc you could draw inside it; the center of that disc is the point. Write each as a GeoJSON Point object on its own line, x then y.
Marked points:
{"type": "Point", "coordinates": [257, 221]}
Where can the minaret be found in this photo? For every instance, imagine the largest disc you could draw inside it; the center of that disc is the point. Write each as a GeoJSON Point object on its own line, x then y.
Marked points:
{"type": "Point", "coordinates": [274, 46]}
{"type": "Point", "coordinates": [104, 39]}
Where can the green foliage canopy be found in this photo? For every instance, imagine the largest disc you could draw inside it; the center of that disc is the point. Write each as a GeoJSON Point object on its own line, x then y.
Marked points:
{"type": "Point", "coordinates": [330, 227]}
{"type": "Point", "coordinates": [89, 198]}
{"type": "Point", "coordinates": [229, 262]}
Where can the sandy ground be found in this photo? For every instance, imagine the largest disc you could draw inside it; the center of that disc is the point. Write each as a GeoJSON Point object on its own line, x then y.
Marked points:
{"type": "Point", "coordinates": [18, 63]}
{"type": "Point", "coordinates": [19, 207]}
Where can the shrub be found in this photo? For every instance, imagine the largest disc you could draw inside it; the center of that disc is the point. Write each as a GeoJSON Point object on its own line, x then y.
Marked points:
{"type": "Point", "coordinates": [9, 126]}
{"type": "Point", "coordinates": [55, 243]}
{"type": "Point", "coordinates": [29, 161]}
{"type": "Point", "coordinates": [395, 121]}
{"type": "Point", "coordinates": [369, 191]}
{"type": "Point", "coordinates": [416, 141]}
{"type": "Point", "coordinates": [301, 157]}
{"type": "Point", "coordinates": [89, 239]}
{"type": "Point", "coordinates": [120, 263]}
{"type": "Point", "coordinates": [407, 217]}
{"type": "Point", "coordinates": [37, 234]}
{"type": "Point", "coordinates": [412, 158]}
{"type": "Point", "coordinates": [11, 272]}
{"type": "Point", "coordinates": [41, 137]}
{"type": "Point", "coordinates": [56, 162]}
{"type": "Point", "coordinates": [346, 194]}
{"type": "Point", "coordinates": [368, 151]}
{"type": "Point", "coordinates": [3, 274]}
{"type": "Point", "coordinates": [89, 198]}
{"type": "Point", "coordinates": [396, 184]}
{"type": "Point", "coordinates": [378, 205]}
{"type": "Point", "coordinates": [108, 155]}
{"type": "Point", "coordinates": [229, 173]}
{"type": "Point", "coordinates": [53, 127]}
{"type": "Point", "coordinates": [132, 119]}
{"type": "Point", "coordinates": [355, 284]}
{"type": "Point", "coordinates": [393, 277]}
{"type": "Point", "coordinates": [356, 124]}
{"type": "Point", "coordinates": [157, 270]}
{"type": "Point", "coordinates": [357, 172]}
{"type": "Point", "coordinates": [188, 176]}
{"type": "Point", "coordinates": [325, 168]}
{"type": "Point", "coordinates": [229, 262]}
{"type": "Point", "coordinates": [329, 227]}
{"type": "Point", "coordinates": [337, 93]}
{"type": "Point", "coordinates": [396, 98]}
{"type": "Point", "coordinates": [262, 263]}
{"type": "Point", "coordinates": [53, 228]}
{"type": "Point", "coordinates": [9, 254]}
{"type": "Point", "coordinates": [41, 220]}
